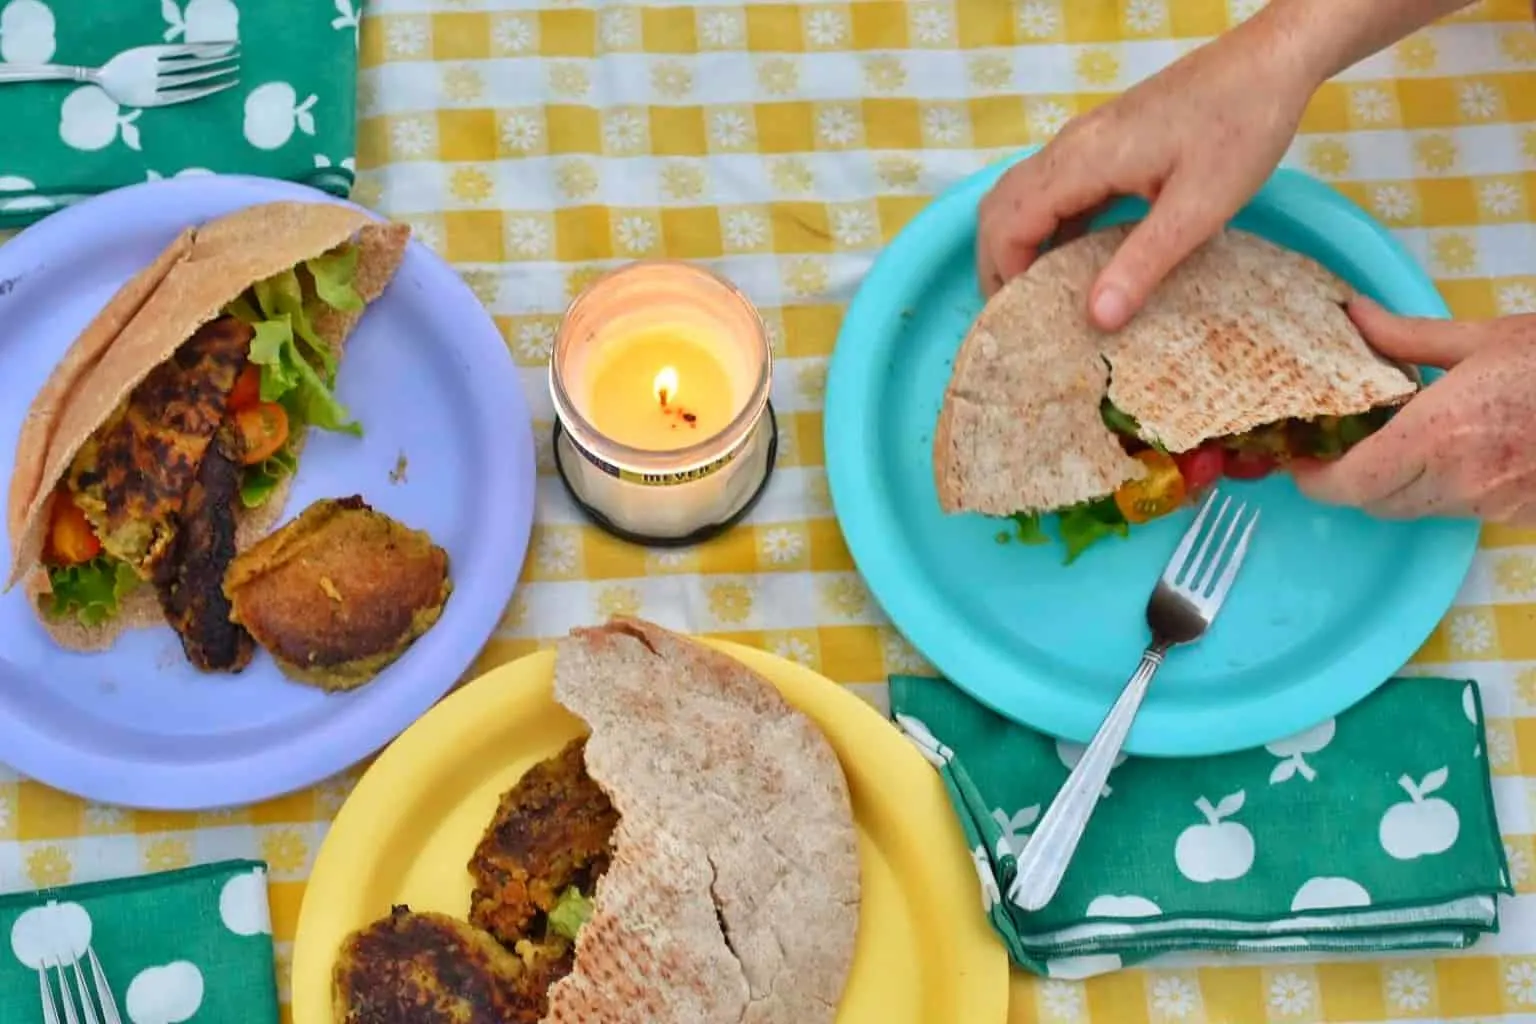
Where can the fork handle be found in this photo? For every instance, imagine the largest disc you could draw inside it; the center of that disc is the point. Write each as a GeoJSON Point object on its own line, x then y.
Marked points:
{"type": "Point", "coordinates": [43, 73]}
{"type": "Point", "coordinates": [1044, 860]}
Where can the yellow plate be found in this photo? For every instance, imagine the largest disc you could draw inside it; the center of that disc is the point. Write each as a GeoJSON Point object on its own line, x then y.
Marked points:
{"type": "Point", "coordinates": [925, 951]}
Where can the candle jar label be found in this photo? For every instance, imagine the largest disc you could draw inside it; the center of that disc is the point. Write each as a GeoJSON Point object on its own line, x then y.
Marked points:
{"type": "Point", "coordinates": [668, 479]}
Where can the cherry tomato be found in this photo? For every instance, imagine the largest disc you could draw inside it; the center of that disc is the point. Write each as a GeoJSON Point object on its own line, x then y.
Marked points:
{"type": "Point", "coordinates": [1249, 465]}
{"type": "Point", "coordinates": [263, 429]}
{"type": "Point", "coordinates": [1158, 493]}
{"type": "Point", "coordinates": [71, 539]}
{"type": "Point", "coordinates": [1201, 466]}
{"type": "Point", "coordinates": [247, 389]}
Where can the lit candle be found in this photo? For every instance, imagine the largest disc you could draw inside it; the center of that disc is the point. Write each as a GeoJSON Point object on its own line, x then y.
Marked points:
{"type": "Point", "coordinates": [660, 390]}
{"type": "Point", "coordinates": [660, 377]}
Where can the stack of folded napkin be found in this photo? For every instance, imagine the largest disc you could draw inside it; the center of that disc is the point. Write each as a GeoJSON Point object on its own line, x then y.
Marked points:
{"type": "Point", "coordinates": [1373, 831]}
{"type": "Point", "coordinates": [193, 944]}
{"type": "Point", "coordinates": [293, 115]}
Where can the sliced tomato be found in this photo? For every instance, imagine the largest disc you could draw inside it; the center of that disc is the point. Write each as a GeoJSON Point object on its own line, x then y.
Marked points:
{"type": "Point", "coordinates": [1249, 465]}
{"type": "Point", "coordinates": [263, 430]}
{"type": "Point", "coordinates": [1201, 466]}
{"type": "Point", "coordinates": [247, 390]}
{"type": "Point", "coordinates": [71, 539]}
{"type": "Point", "coordinates": [1158, 493]}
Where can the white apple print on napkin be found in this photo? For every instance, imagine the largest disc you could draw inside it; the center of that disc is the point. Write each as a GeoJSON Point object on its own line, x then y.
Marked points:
{"type": "Point", "coordinates": [243, 904]}
{"type": "Point", "coordinates": [54, 933]}
{"type": "Point", "coordinates": [1122, 906]}
{"type": "Point", "coordinates": [91, 120]}
{"type": "Point", "coordinates": [272, 111]}
{"type": "Point", "coordinates": [1219, 850]}
{"type": "Point", "coordinates": [204, 21]}
{"type": "Point", "coordinates": [168, 994]}
{"type": "Point", "coordinates": [1328, 893]}
{"type": "Point", "coordinates": [1419, 827]}
{"type": "Point", "coordinates": [1294, 750]}
{"type": "Point", "coordinates": [1015, 829]}
{"type": "Point", "coordinates": [26, 32]}
{"type": "Point", "coordinates": [18, 195]}
{"type": "Point", "coordinates": [1069, 753]}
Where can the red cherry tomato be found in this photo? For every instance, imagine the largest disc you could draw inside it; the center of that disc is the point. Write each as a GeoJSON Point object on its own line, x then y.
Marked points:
{"type": "Point", "coordinates": [1249, 465]}
{"type": "Point", "coordinates": [1201, 467]}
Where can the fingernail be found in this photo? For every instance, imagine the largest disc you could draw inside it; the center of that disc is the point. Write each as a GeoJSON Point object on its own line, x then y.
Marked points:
{"type": "Point", "coordinates": [1111, 308]}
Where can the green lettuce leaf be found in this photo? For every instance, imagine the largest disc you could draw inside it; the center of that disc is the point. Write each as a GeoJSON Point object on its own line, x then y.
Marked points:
{"type": "Point", "coordinates": [571, 912]}
{"type": "Point", "coordinates": [1084, 525]}
{"type": "Point", "coordinates": [260, 480]}
{"type": "Point", "coordinates": [333, 274]}
{"type": "Point", "coordinates": [1028, 528]}
{"type": "Point", "coordinates": [91, 592]}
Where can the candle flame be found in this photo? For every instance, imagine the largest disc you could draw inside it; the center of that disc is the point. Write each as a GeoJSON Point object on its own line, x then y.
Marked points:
{"type": "Point", "coordinates": [665, 385]}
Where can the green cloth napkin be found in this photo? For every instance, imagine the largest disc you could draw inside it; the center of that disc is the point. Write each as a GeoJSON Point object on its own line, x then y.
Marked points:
{"type": "Point", "coordinates": [192, 945]}
{"type": "Point", "coordinates": [1373, 831]}
{"type": "Point", "coordinates": [293, 115]}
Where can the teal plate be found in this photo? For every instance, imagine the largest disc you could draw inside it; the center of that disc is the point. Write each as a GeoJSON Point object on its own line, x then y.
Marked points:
{"type": "Point", "coordinates": [1330, 604]}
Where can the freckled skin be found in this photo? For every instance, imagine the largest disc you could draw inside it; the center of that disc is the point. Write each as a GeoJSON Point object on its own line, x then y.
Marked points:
{"type": "Point", "coordinates": [1466, 444]}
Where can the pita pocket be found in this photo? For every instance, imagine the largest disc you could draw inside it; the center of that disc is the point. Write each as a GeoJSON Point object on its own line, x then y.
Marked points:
{"type": "Point", "coordinates": [1243, 359]}
{"type": "Point", "coordinates": [167, 437]}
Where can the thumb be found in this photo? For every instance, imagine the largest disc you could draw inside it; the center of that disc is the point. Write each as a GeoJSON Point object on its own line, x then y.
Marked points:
{"type": "Point", "coordinates": [1179, 220]}
{"type": "Point", "coordinates": [1421, 340]}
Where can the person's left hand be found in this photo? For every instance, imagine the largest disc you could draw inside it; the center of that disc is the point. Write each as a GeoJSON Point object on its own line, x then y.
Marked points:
{"type": "Point", "coordinates": [1465, 445]}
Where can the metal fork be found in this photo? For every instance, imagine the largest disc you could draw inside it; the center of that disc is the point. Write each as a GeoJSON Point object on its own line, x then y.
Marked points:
{"type": "Point", "coordinates": [1182, 607]}
{"type": "Point", "coordinates": [147, 76]}
{"type": "Point", "coordinates": [81, 996]}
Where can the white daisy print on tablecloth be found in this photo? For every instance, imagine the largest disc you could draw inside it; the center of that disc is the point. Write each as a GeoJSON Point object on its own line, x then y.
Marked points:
{"type": "Point", "coordinates": [624, 132]}
{"type": "Point", "coordinates": [745, 229]}
{"type": "Point", "coordinates": [1143, 16]}
{"type": "Point", "coordinates": [1290, 995]}
{"type": "Point", "coordinates": [527, 237]}
{"type": "Point", "coordinates": [793, 648]}
{"type": "Point", "coordinates": [533, 341]}
{"type": "Point", "coordinates": [721, 29]}
{"type": "Point", "coordinates": [1037, 19]}
{"type": "Point", "coordinates": [1470, 632]}
{"type": "Point", "coordinates": [1047, 117]}
{"type": "Point", "coordinates": [1392, 202]}
{"type": "Point", "coordinates": [1477, 101]}
{"type": "Point", "coordinates": [1174, 998]}
{"type": "Point", "coordinates": [1517, 298]}
{"type": "Point", "coordinates": [1371, 104]}
{"type": "Point", "coordinates": [837, 125]}
{"type": "Point", "coordinates": [406, 37]}
{"type": "Point", "coordinates": [1407, 988]}
{"type": "Point", "coordinates": [412, 136]}
{"type": "Point", "coordinates": [853, 226]}
{"type": "Point", "coordinates": [1062, 1000]}
{"type": "Point", "coordinates": [730, 128]}
{"type": "Point", "coordinates": [781, 545]}
{"type": "Point", "coordinates": [931, 24]}
{"type": "Point", "coordinates": [557, 551]}
{"type": "Point", "coordinates": [513, 33]}
{"type": "Point", "coordinates": [522, 131]}
{"type": "Point", "coordinates": [944, 126]}
{"type": "Point", "coordinates": [1500, 197]}
{"type": "Point", "coordinates": [636, 234]}
{"type": "Point", "coordinates": [1520, 982]}
{"type": "Point", "coordinates": [826, 27]}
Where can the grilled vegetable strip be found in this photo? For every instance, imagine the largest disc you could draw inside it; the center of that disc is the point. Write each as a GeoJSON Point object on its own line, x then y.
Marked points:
{"type": "Point", "coordinates": [131, 477]}
{"type": "Point", "coordinates": [191, 581]}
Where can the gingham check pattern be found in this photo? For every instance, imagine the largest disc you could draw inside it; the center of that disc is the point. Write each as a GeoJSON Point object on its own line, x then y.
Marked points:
{"type": "Point", "coordinates": [784, 144]}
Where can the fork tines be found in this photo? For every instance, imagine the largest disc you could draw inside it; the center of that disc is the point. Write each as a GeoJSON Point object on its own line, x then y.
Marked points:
{"type": "Point", "coordinates": [1207, 575]}
{"type": "Point", "coordinates": [215, 65]}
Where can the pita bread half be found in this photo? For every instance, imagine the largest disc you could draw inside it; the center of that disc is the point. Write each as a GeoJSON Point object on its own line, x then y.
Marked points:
{"type": "Point", "coordinates": [203, 271]}
{"type": "Point", "coordinates": [764, 821]}
{"type": "Point", "coordinates": [1242, 334]}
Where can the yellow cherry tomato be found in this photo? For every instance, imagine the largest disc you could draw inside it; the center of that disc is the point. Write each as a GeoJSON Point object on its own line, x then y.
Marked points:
{"type": "Point", "coordinates": [1158, 493]}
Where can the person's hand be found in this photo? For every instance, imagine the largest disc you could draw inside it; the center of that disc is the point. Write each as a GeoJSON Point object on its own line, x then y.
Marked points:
{"type": "Point", "coordinates": [1465, 445]}
{"type": "Point", "coordinates": [1196, 140]}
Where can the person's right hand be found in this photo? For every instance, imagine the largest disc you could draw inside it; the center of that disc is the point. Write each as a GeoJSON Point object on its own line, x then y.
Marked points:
{"type": "Point", "coordinates": [1196, 140]}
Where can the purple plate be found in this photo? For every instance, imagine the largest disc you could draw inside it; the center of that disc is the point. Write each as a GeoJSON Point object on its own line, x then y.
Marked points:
{"type": "Point", "coordinates": [429, 377]}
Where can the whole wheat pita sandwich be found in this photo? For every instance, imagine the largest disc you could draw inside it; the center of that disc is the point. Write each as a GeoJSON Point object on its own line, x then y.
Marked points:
{"type": "Point", "coordinates": [167, 437]}
{"type": "Point", "coordinates": [692, 860]}
{"type": "Point", "coordinates": [1243, 359]}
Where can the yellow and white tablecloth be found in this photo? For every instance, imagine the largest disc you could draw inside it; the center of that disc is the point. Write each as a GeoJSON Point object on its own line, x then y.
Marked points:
{"type": "Point", "coordinates": [533, 146]}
